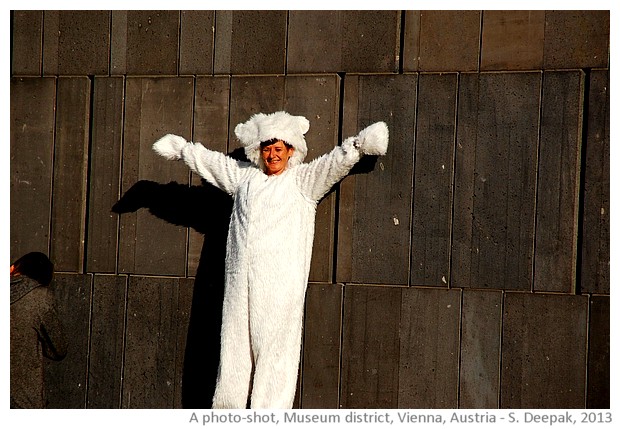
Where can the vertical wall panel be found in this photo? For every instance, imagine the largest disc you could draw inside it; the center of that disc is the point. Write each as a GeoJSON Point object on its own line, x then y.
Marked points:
{"type": "Point", "coordinates": [599, 380]}
{"type": "Point", "coordinates": [31, 146]}
{"type": "Point", "coordinates": [82, 42]}
{"type": "Point", "coordinates": [105, 172]}
{"type": "Point", "coordinates": [512, 40]}
{"type": "Point", "coordinates": [595, 247]}
{"type": "Point", "coordinates": [196, 42]}
{"type": "Point", "coordinates": [27, 42]}
{"type": "Point", "coordinates": [429, 342]}
{"type": "Point", "coordinates": [370, 347]}
{"type": "Point", "coordinates": [248, 42]}
{"type": "Point", "coordinates": [118, 42]}
{"type": "Point", "coordinates": [151, 42]}
{"type": "Point", "coordinates": [496, 162]}
{"type": "Point", "coordinates": [480, 349]}
{"type": "Point", "coordinates": [51, 30]}
{"type": "Point", "coordinates": [576, 39]}
{"type": "Point", "coordinates": [381, 200]}
{"type": "Point", "coordinates": [157, 318]}
{"type": "Point", "coordinates": [154, 107]}
{"type": "Point", "coordinates": [66, 380]}
{"type": "Point", "coordinates": [105, 365]}
{"type": "Point", "coordinates": [543, 356]}
{"type": "Point", "coordinates": [321, 349]}
{"type": "Point", "coordinates": [449, 41]}
{"type": "Point", "coordinates": [557, 203]}
{"type": "Point", "coordinates": [70, 173]}
{"type": "Point", "coordinates": [434, 166]}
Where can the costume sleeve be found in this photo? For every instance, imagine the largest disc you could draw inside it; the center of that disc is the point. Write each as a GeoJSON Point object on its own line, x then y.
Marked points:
{"type": "Point", "coordinates": [316, 178]}
{"type": "Point", "coordinates": [218, 169]}
{"type": "Point", "coordinates": [51, 333]}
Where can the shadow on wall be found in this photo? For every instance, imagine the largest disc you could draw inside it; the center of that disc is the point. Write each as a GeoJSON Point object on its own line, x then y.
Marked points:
{"type": "Point", "coordinates": [207, 210]}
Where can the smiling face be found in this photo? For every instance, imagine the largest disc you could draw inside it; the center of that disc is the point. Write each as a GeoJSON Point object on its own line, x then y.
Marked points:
{"type": "Point", "coordinates": [275, 156]}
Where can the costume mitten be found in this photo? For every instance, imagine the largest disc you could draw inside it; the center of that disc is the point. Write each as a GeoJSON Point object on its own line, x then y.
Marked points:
{"type": "Point", "coordinates": [170, 146]}
{"type": "Point", "coordinates": [373, 140]}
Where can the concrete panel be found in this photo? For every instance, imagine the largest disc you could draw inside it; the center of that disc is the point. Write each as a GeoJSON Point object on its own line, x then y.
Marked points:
{"type": "Point", "coordinates": [250, 42]}
{"type": "Point", "coordinates": [370, 347]}
{"type": "Point", "coordinates": [576, 39]}
{"type": "Point", "coordinates": [449, 40]}
{"type": "Point", "coordinates": [51, 29]}
{"type": "Point", "coordinates": [152, 42]}
{"type": "Point", "coordinates": [31, 145]}
{"type": "Point", "coordinates": [481, 334]}
{"type": "Point", "coordinates": [316, 98]}
{"type": "Point", "coordinates": [321, 347]}
{"type": "Point", "coordinates": [557, 207]}
{"type": "Point", "coordinates": [429, 344]}
{"type": "Point", "coordinates": [27, 38]}
{"type": "Point", "coordinates": [105, 174]}
{"type": "Point", "coordinates": [349, 41]}
{"type": "Point", "coordinates": [157, 322]}
{"type": "Point", "coordinates": [65, 380]}
{"type": "Point", "coordinates": [495, 181]}
{"type": "Point", "coordinates": [196, 42]}
{"type": "Point", "coordinates": [595, 247]}
{"type": "Point", "coordinates": [375, 208]}
{"type": "Point", "coordinates": [118, 43]}
{"type": "Point", "coordinates": [105, 364]}
{"type": "Point", "coordinates": [543, 356]}
{"type": "Point", "coordinates": [434, 167]}
{"type": "Point", "coordinates": [512, 40]}
{"type": "Point", "coordinates": [154, 107]}
{"type": "Point", "coordinates": [70, 174]}
{"type": "Point", "coordinates": [598, 395]}
{"type": "Point", "coordinates": [83, 42]}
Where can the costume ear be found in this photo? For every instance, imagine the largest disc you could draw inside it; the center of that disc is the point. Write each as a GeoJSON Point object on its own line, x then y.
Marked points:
{"type": "Point", "coordinates": [247, 132]}
{"type": "Point", "coordinates": [304, 124]}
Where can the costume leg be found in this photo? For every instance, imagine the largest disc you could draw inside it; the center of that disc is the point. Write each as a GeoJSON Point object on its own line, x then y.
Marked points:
{"type": "Point", "coordinates": [233, 382]}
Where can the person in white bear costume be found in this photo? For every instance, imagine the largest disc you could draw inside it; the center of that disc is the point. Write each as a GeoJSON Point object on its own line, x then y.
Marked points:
{"type": "Point", "coordinates": [269, 246]}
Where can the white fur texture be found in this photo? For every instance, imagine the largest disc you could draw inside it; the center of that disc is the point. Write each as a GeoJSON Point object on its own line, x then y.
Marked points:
{"type": "Point", "coordinates": [268, 256]}
{"type": "Point", "coordinates": [373, 140]}
{"type": "Point", "coordinates": [280, 125]}
{"type": "Point", "coordinates": [170, 146]}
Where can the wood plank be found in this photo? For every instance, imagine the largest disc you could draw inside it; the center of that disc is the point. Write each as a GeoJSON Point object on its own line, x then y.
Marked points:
{"type": "Point", "coordinates": [370, 347]}
{"type": "Point", "coordinates": [382, 202]}
{"type": "Point", "coordinates": [250, 42]}
{"type": "Point", "coordinates": [27, 38]}
{"type": "Point", "coordinates": [481, 334]}
{"type": "Point", "coordinates": [429, 369]}
{"type": "Point", "coordinates": [512, 40]}
{"type": "Point", "coordinates": [557, 206]}
{"type": "Point", "coordinates": [152, 46]}
{"type": "Point", "coordinates": [495, 181]}
{"type": "Point", "coordinates": [434, 166]}
{"type": "Point", "coordinates": [595, 245]}
{"type": "Point", "coordinates": [321, 346]}
{"type": "Point", "coordinates": [66, 380]}
{"type": "Point", "coordinates": [31, 165]}
{"type": "Point", "coordinates": [449, 40]}
{"type": "Point", "coordinates": [543, 356]}
{"type": "Point", "coordinates": [576, 39]}
{"type": "Point", "coordinates": [598, 395]}
{"type": "Point", "coordinates": [70, 174]}
{"type": "Point", "coordinates": [83, 42]}
{"type": "Point", "coordinates": [105, 363]}
{"type": "Point", "coordinates": [156, 319]}
{"type": "Point", "coordinates": [105, 172]}
{"type": "Point", "coordinates": [196, 42]}
{"type": "Point", "coordinates": [154, 107]}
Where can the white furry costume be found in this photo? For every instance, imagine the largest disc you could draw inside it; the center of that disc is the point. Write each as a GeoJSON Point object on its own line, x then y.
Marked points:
{"type": "Point", "coordinates": [268, 250]}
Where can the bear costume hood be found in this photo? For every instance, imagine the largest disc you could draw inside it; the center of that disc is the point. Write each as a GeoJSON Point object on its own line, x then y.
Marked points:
{"type": "Point", "coordinates": [281, 125]}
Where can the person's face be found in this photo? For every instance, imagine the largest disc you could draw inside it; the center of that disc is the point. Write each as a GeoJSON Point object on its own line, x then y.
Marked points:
{"type": "Point", "coordinates": [276, 156]}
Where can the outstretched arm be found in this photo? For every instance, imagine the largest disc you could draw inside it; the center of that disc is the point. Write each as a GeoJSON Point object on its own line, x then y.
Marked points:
{"type": "Point", "coordinates": [216, 168]}
{"type": "Point", "coordinates": [317, 178]}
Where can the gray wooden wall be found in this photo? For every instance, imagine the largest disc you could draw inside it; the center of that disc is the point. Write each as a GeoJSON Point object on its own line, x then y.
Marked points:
{"type": "Point", "coordinates": [469, 267]}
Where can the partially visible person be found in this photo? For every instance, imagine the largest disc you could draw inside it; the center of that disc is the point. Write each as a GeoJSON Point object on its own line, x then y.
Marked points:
{"type": "Point", "coordinates": [36, 331]}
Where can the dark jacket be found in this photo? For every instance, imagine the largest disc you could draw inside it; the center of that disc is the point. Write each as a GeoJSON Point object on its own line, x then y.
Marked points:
{"type": "Point", "coordinates": [36, 332]}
